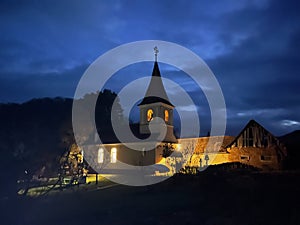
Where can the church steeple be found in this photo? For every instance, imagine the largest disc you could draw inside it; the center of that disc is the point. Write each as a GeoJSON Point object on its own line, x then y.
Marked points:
{"type": "Point", "coordinates": [156, 91]}
{"type": "Point", "coordinates": [156, 104]}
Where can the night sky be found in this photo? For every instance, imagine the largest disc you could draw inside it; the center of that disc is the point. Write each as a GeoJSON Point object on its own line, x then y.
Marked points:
{"type": "Point", "coordinates": [251, 46]}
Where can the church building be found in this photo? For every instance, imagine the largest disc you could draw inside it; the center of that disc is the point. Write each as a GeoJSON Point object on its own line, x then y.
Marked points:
{"type": "Point", "coordinates": [254, 145]}
{"type": "Point", "coordinates": [156, 118]}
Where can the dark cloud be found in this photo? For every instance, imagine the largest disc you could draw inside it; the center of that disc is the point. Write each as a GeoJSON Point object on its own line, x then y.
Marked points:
{"type": "Point", "coordinates": [260, 74]}
{"type": "Point", "coordinates": [16, 88]}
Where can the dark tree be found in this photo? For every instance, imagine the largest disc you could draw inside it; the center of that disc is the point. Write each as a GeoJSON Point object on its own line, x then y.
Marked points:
{"type": "Point", "coordinates": [35, 134]}
{"type": "Point", "coordinates": [168, 149]}
{"type": "Point", "coordinates": [72, 165]}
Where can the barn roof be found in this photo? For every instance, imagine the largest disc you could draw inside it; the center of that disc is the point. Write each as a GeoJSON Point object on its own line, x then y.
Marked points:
{"type": "Point", "coordinates": [254, 135]}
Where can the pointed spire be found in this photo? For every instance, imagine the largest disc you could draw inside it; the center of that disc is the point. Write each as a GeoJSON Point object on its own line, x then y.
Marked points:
{"type": "Point", "coordinates": [155, 71]}
{"type": "Point", "coordinates": [156, 91]}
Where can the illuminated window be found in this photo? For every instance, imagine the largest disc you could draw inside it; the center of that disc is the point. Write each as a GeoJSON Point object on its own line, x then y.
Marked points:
{"type": "Point", "coordinates": [80, 158]}
{"type": "Point", "coordinates": [100, 155]}
{"type": "Point", "coordinates": [245, 157]}
{"type": "Point", "coordinates": [113, 155]}
{"type": "Point", "coordinates": [149, 115]}
{"type": "Point", "coordinates": [166, 115]}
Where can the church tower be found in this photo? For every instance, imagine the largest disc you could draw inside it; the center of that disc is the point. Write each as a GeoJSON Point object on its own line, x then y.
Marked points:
{"type": "Point", "coordinates": [155, 105]}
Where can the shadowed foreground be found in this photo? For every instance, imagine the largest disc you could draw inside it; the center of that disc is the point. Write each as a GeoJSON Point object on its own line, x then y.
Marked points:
{"type": "Point", "coordinates": [208, 198]}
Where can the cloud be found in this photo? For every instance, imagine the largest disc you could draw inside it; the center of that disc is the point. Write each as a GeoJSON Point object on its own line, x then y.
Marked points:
{"type": "Point", "coordinates": [290, 123]}
{"type": "Point", "coordinates": [251, 46]}
{"type": "Point", "coordinates": [267, 113]}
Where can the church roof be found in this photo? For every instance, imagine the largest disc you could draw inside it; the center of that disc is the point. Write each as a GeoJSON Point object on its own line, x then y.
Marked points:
{"type": "Point", "coordinates": [111, 138]}
{"type": "Point", "coordinates": [156, 91]}
{"type": "Point", "coordinates": [108, 136]}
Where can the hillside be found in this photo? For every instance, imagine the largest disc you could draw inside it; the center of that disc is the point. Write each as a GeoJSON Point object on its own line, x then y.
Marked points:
{"type": "Point", "coordinates": [35, 134]}
{"type": "Point", "coordinates": [292, 143]}
{"type": "Point", "coordinates": [208, 198]}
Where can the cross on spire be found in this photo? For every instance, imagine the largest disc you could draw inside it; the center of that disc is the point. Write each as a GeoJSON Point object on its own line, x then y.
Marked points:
{"type": "Point", "coordinates": [156, 52]}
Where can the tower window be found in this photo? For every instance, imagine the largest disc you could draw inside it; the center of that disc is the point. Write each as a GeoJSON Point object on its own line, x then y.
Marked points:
{"type": "Point", "coordinates": [149, 115]}
{"type": "Point", "coordinates": [113, 155]}
{"type": "Point", "coordinates": [166, 115]}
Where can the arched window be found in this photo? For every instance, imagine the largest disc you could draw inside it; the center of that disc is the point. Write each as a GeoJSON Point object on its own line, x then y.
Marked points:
{"type": "Point", "coordinates": [100, 155]}
{"type": "Point", "coordinates": [166, 115]}
{"type": "Point", "coordinates": [113, 155]}
{"type": "Point", "coordinates": [149, 115]}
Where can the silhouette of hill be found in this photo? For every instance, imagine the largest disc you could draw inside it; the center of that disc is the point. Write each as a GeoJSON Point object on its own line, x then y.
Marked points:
{"type": "Point", "coordinates": [292, 143]}
{"type": "Point", "coordinates": [35, 134]}
{"type": "Point", "coordinates": [32, 129]}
